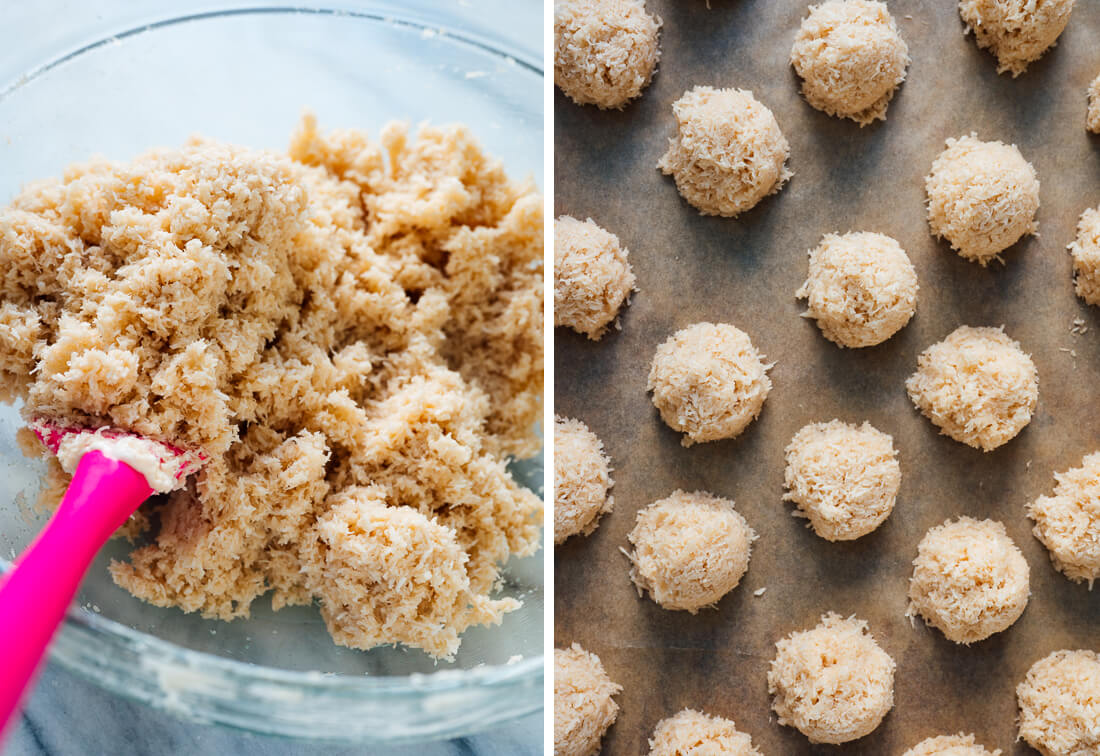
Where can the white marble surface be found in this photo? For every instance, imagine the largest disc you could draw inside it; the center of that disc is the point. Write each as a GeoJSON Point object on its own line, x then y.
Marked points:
{"type": "Point", "coordinates": [66, 715]}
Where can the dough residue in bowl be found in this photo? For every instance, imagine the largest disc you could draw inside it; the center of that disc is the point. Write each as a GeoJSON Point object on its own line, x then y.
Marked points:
{"type": "Point", "coordinates": [351, 332]}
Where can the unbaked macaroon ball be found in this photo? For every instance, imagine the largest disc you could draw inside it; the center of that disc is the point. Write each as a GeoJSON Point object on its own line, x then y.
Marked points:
{"type": "Point", "coordinates": [843, 478]}
{"type": "Point", "coordinates": [583, 704]}
{"type": "Point", "coordinates": [582, 478]}
{"type": "Point", "coordinates": [1092, 120]}
{"type": "Point", "coordinates": [861, 290]}
{"type": "Point", "coordinates": [833, 683]}
{"type": "Point", "coordinates": [951, 745]}
{"type": "Point", "coordinates": [1068, 523]}
{"type": "Point", "coordinates": [708, 382]}
{"type": "Point", "coordinates": [1015, 31]}
{"type": "Point", "coordinates": [851, 58]}
{"type": "Point", "coordinates": [690, 550]}
{"type": "Point", "coordinates": [693, 733]}
{"type": "Point", "coordinates": [1059, 703]}
{"type": "Point", "coordinates": [982, 197]}
{"type": "Point", "coordinates": [969, 580]}
{"type": "Point", "coordinates": [977, 386]}
{"type": "Point", "coordinates": [728, 152]}
{"type": "Point", "coordinates": [592, 276]}
{"type": "Point", "coordinates": [1086, 256]}
{"type": "Point", "coordinates": [605, 51]}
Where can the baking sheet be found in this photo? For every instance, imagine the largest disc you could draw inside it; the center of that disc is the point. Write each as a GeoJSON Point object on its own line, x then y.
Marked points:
{"type": "Point", "coordinates": [745, 271]}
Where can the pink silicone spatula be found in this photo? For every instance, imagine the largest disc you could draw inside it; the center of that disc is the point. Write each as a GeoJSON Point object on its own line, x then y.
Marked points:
{"type": "Point", "coordinates": [37, 591]}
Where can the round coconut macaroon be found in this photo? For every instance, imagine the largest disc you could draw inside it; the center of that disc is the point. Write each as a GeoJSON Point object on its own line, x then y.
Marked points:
{"type": "Point", "coordinates": [1059, 703]}
{"type": "Point", "coordinates": [582, 479]}
{"type": "Point", "coordinates": [982, 197]}
{"type": "Point", "coordinates": [951, 745]}
{"type": "Point", "coordinates": [977, 385]}
{"type": "Point", "coordinates": [1086, 256]}
{"type": "Point", "coordinates": [861, 290]}
{"type": "Point", "coordinates": [1092, 119]}
{"type": "Point", "coordinates": [1016, 32]}
{"type": "Point", "coordinates": [969, 580]}
{"type": "Point", "coordinates": [592, 276]}
{"type": "Point", "coordinates": [605, 51]}
{"type": "Point", "coordinates": [583, 704]}
{"type": "Point", "coordinates": [843, 478]}
{"type": "Point", "coordinates": [833, 683]}
{"type": "Point", "coordinates": [851, 59]}
{"type": "Point", "coordinates": [693, 733]}
{"type": "Point", "coordinates": [708, 382]}
{"type": "Point", "coordinates": [1068, 523]}
{"type": "Point", "coordinates": [690, 550]}
{"type": "Point", "coordinates": [728, 152]}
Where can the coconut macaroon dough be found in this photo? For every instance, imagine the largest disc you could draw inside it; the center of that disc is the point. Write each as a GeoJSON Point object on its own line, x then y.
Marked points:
{"type": "Point", "coordinates": [728, 152]}
{"type": "Point", "coordinates": [605, 51]}
{"type": "Point", "coordinates": [1016, 32]}
{"type": "Point", "coordinates": [592, 276]}
{"type": "Point", "coordinates": [583, 704]}
{"type": "Point", "coordinates": [690, 550]}
{"type": "Point", "coordinates": [969, 580]}
{"type": "Point", "coordinates": [851, 59]}
{"type": "Point", "coordinates": [844, 478]}
{"type": "Point", "coordinates": [977, 386]}
{"type": "Point", "coordinates": [982, 197]}
{"type": "Point", "coordinates": [951, 745]}
{"type": "Point", "coordinates": [1092, 120]}
{"type": "Point", "coordinates": [693, 733]}
{"type": "Point", "coordinates": [1059, 703]}
{"type": "Point", "coordinates": [861, 290]}
{"type": "Point", "coordinates": [1086, 256]}
{"type": "Point", "coordinates": [582, 478]}
{"type": "Point", "coordinates": [1068, 523]}
{"type": "Point", "coordinates": [832, 683]}
{"type": "Point", "coordinates": [708, 382]}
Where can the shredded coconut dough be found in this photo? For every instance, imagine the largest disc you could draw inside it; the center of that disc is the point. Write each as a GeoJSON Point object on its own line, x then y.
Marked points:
{"type": "Point", "coordinates": [583, 704]}
{"type": "Point", "coordinates": [1060, 704]}
{"type": "Point", "coordinates": [690, 550]}
{"type": "Point", "coordinates": [605, 51]}
{"type": "Point", "coordinates": [977, 386]}
{"type": "Point", "coordinates": [1068, 523]}
{"type": "Point", "coordinates": [350, 332]}
{"type": "Point", "coordinates": [1092, 120]}
{"type": "Point", "coordinates": [832, 683]}
{"type": "Point", "coordinates": [969, 580]}
{"type": "Point", "coordinates": [1086, 256]}
{"type": "Point", "coordinates": [844, 478]}
{"type": "Point", "coordinates": [592, 276]}
{"type": "Point", "coordinates": [693, 733]}
{"type": "Point", "coordinates": [982, 197]}
{"type": "Point", "coordinates": [851, 59]}
{"type": "Point", "coordinates": [728, 152]}
{"type": "Point", "coordinates": [157, 463]}
{"type": "Point", "coordinates": [1017, 32]}
{"type": "Point", "coordinates": [582, 478]}
{"type": "Point", "coordinates": [861, 290]}
{"type": "Point", "coordinates": [950, 745]}
{"type": "Point", "coordinates": [708, 382]}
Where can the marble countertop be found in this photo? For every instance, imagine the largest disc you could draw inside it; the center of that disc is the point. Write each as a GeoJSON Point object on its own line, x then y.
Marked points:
{"type": "Point", "coordinates": [68, 716]}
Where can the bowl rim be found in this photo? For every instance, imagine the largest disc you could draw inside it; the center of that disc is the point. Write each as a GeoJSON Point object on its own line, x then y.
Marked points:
{"type": "Point", "coordinates": [207, 688]}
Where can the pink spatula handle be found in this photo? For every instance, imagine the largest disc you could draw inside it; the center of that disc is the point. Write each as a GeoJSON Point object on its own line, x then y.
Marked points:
{"type": "Point", "coordinates": [37, 592]}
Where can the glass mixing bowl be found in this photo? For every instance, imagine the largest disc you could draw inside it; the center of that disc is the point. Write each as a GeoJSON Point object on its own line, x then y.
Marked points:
{"type": "Point", "coordinates": [245, 76]}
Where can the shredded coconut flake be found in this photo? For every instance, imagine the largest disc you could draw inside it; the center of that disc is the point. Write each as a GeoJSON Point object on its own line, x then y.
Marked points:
{"type": "Point", "coordinates": [583, 704]}
{"type": "Point", "coordinates": [1059, 703]}
{"type": "Point", "coordinates": [693, 733]}
{"type": "Point", "coordinates": [690, 550]}
{"type": "Point", "coordinates": [728, 152]}
{"type": "Point", "coordinates": [592, 276]}
{"type": "Point", "coordinates": [1086, 260]}
{"type": "Point", "coordinates": [1015, 31]}
{"type": "Point", "coordinates": [977, 386]}
{"type": "Point", "coordinates": [851, 59]}
{"type": "Point", "coordinates": [951, 745]}
{"type": "Point", "coordinates": [1068, 522]}
{"type": "Point", "coordinates": [582, 478]}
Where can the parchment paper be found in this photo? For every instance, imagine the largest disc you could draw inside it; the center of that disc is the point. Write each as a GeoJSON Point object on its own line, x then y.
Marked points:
{"type": "Point", "coordinates": [745, 271]}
